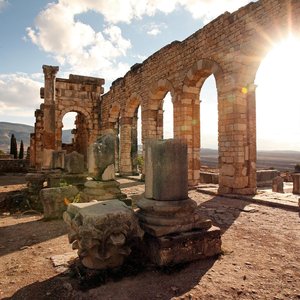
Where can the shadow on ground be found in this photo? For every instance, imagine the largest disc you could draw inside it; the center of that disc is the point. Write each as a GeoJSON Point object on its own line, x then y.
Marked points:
{"type": "Point", "coordinates": [224, 211]}
{"type": "Point", "coordinates": [147, 283]}
{"type": "Point", "coordinates": [24, 234]}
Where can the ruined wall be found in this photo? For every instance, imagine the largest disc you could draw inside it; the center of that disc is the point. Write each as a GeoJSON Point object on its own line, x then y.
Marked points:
{"type": "Point", "coordinates": [79, 94]}
{"type": "Point", "coordinates": [14, 165]}
{"type": "Point", "coordinates": [231, 47]}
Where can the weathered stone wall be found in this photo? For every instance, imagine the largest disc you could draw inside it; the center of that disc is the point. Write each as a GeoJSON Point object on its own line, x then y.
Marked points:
{"type": "Point", "coordinates": [79, 94]}
{"type": "Point", "coordinates": [14, 165]}
{"type": "Point", "coordinates": [231, 48]}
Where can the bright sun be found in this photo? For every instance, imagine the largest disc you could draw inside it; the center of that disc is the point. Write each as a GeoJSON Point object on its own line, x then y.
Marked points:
{"type": "Point", "coordinates": [278, 98]}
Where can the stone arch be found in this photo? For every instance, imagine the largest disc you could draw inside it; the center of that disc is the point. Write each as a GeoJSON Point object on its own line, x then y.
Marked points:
{"type": "Point", "coordinates": [129, 136]}
{"type": "Point", "coordinates": [187, 115]}
{"type": "Point", "coordinates": [83, 134]}
{"type": "Point", "coordinates": [158, 91]}
{"type": "Point", "coordinates": [198, 73]}
{"type": "Point", "coordinates": [153, 114]}
{"type": "Point", "coordinates": [114, 123]}
{"type": "Point", "coordinates": [77, 109]}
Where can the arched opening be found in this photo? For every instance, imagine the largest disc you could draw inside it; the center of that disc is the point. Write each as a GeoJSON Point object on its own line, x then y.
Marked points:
{"type": "Point", "coordinates": [189, 107]}
{"type": "Point", "coordinates": [209, 126]}
{"type": "Point", "coordinates": [168, 117]}
{"type": "Point", "coordinates": [277, 107]}
{"type": "Point", "coordinates": [129, 136]}
{"type": "Point", "coordinates": [114, 123]}
{"type": "Point", "coordinates": [136, 141]}
{"type": "Point", "coordinates": [75, 134]}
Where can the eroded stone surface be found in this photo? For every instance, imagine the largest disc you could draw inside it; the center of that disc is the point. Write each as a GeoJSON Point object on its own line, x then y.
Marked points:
{"type": "Point", "coordinates": [277, 184]}
{"type": "Point", "coordinates": [103, 232]}
{"type": "Point", "coordinates": [53, 200]}
{"type": "Point", "coordinates": [74, 163]}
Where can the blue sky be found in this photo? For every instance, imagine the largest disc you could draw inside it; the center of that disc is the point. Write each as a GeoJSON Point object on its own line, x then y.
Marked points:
{"type": "Point", "coordinates": [93, 37]}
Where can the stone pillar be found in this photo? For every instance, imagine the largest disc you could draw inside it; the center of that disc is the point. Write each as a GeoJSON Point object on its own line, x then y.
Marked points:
{"type": "Point", "coordinates": [277, 184]}
{"type": "Point", "coordinates": [251, 119]}
{"type": "Point", "coordinates": [134, 146]}
{"type": "Point", "coordinates": [187, 126]}
{"type": "Point", "coordinates": [125, 146]}
{"type": "Point", "coordinates": [235, 124]}
{"type": "Point", "coordinates": [49, 114]}
{"type": "Point", "coordinates": [176, 232]}
{"type": "Point", "coordinates": [32, 150]}
{"type": "Point", "coordinates": [38, 130]}
{"type": "Point", "coordinates": [101, 158]}
{"type": "Point", "coordinates": [296, 183]}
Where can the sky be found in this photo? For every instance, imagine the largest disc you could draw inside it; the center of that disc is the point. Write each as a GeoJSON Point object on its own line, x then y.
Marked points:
{"type": "Point", "coordinates": [104, 38]}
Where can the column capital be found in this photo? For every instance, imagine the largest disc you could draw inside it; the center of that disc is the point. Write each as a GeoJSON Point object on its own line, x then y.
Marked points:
{"type": "Point", "coordinates": [50, 71]}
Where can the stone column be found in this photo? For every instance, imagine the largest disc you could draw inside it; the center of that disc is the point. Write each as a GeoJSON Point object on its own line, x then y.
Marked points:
{"type": "Point", "coordinates": [134, 146]}
{"type": "Point", "coordinates": [187, 126]}
{"type": "Point", "coordinates": [176, 232]}
{"type": "Point", "coordinates": [235, 124]}
{"type": "Point", "coordinates": [125, 146]}
{"type": "Point", "coordinates": [296, 183]}
{"type": "Point", "coordinates": [49, 114]}
{"type": "Point", "coordinates": [38, 130]}
{"type": "Point", "coordinates": [251, 118]}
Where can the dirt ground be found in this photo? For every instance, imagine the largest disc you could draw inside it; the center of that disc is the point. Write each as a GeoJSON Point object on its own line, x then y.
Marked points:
{"type": "Point", "coordinates": [261, 257]}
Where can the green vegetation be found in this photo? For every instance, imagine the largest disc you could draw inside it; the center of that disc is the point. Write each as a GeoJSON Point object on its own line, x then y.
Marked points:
{"type": "Point", "coordinates": [21, 152]}
{"type": "Point", "coordinates": [13, 146]}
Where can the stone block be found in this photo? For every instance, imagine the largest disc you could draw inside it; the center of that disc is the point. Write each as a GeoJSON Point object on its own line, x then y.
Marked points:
{"type": "Point", "coordinates": [58, 159]}
{"type": "Point", "coordinates": [74, 163]}
{"type": "Point", "coordinates": [277, 185]}
{"type": "Point", "coordinates": [183, 247]}
{"type": "Point", "coordinates": [101, 157]}
{"type": "Point", "coordinates": [53, 200]}
{"type": "Point", "coordinates": [103, 232]}
{"type": "Point", "coordinates": [296, 183]}
{"type": "Point", "coordinates": [165, 179]}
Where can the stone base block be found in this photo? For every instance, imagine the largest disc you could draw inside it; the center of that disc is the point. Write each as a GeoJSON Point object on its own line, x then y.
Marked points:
{"type": "Point", "coordinates": [183, 247]}
{"type": "Point", "coordinates": [101, 191]}
{"type": "Point", "coordinates": [53, 200]}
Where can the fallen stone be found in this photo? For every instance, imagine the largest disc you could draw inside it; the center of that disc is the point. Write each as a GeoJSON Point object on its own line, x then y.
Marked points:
{"type": "Point", "coordinates": [103, 232]}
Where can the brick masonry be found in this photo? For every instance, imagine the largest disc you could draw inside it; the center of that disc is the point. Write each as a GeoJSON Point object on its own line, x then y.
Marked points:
{"type": "Point", "coordinates": [231, 47]}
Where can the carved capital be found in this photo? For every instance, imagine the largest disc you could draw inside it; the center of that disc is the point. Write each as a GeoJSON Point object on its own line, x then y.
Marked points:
{"type": "Point", "coordinates": [50, 71]}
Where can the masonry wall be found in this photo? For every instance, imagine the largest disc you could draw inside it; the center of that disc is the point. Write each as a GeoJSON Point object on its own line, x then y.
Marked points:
{"type": "Point", "coordinates": [14, 165]}
{"type": "Point", "coordinates": [79, 94]}
{"type": "Point", "coordinates": [231, 48]}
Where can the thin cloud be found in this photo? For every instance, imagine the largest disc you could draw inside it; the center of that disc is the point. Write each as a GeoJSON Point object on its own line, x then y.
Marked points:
{"type": "Point", "coordinates": [77, 46]}
{"type": "Point", "coordinates": [3, 4]}
{"type": "Point", "coordinates": [19, 94]}
{"type": "Point", "coordinates": [155, 29]}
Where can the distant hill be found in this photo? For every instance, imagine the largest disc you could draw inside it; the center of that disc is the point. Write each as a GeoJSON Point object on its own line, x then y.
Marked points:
{"type": "Point", "coordinates": [282, 160]}
{"type": "Point", "coordinates": [22, 132]}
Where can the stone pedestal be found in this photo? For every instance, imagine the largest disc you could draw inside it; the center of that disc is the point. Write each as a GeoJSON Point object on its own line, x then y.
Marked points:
{"type": "Point", "coordinates": [175, 230]}
{"type": "Point", "coordinates": [103, 232]}
{"type": "Point", "coordinates": [53, 200]}
{"type": "Point", "coordinates": [101, 190]}
{"type": "Point", "coordinates": [296, 183]}
{"type": "Point", "coordinates": [58, 159]}
{"type": "Point", "coordinates": [35, 182]}
{"type": "Point", "coordinates": [277, 184]}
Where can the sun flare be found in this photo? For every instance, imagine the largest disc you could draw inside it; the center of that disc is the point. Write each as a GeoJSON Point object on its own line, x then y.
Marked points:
{"type": "Point", "coordinates": [278, 97]}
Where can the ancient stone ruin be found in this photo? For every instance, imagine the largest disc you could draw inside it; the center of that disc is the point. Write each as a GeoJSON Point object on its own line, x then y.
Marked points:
{"type": "Point", "coordinates": [103, 232]}
{"type": "Point", "coordinates": [176, 232]}
{"type": "Point", "coordinates": [229, 47]}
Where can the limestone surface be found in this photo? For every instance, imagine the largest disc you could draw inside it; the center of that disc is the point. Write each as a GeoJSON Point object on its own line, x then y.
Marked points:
{"type": "Point", "coordinates": [103, 232]}
{"type": "Point", "coordinates": [53, 200]}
